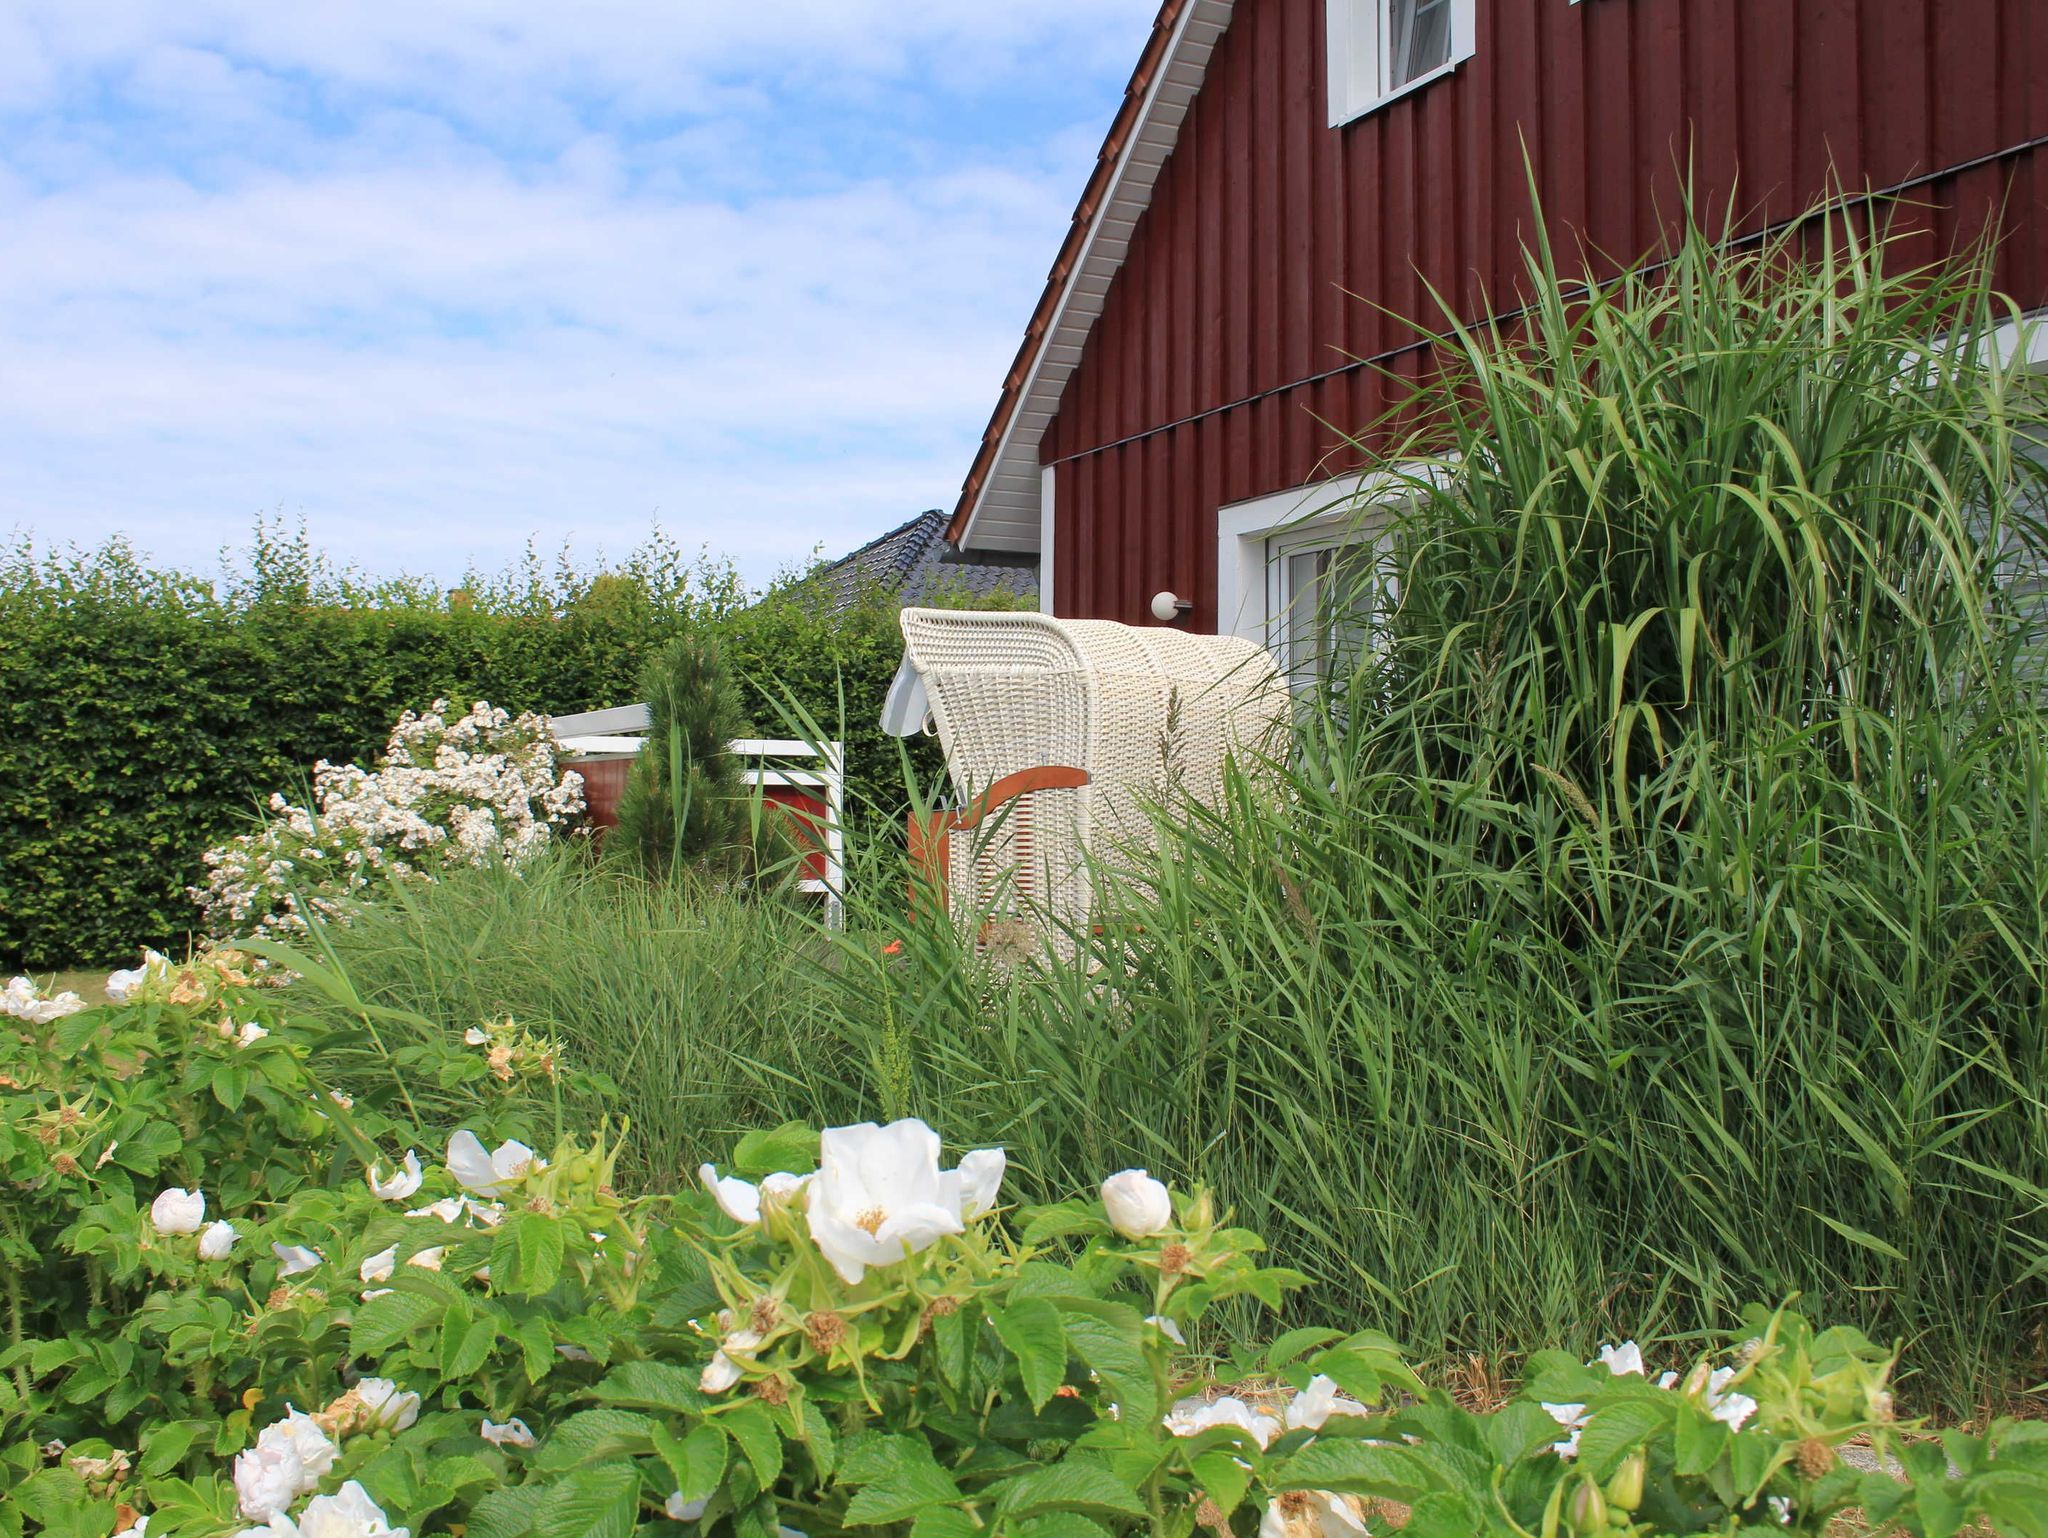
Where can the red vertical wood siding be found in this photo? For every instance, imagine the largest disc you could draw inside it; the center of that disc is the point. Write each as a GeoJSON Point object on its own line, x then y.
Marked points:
{"type": "Point", "coordinates": [1209, 377]}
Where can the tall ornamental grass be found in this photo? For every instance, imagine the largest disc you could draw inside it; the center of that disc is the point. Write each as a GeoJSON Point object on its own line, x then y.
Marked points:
{"type": "Point", "coordinates": [1651, 918]}
{"type": "Point", "coordinates": [1654, 915]}
{"type": "Point", "coordinates": [671, 990]}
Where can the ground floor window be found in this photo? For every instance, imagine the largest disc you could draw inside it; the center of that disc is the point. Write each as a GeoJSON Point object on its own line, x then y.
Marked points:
{"type": "Point", "coordinates": [1305, 573]}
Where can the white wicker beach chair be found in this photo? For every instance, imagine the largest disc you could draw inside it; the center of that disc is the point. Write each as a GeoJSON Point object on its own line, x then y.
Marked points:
{"type": "Point", "coordinates": [1059, 733]}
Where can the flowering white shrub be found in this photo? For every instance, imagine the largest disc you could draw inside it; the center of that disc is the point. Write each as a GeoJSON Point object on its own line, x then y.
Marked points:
{"type": "Point", "coordinates": [447, 792]}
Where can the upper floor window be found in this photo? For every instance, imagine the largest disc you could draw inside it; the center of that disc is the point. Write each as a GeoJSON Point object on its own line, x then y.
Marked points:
{"type": "Point", "coordinates": [1381, 48]}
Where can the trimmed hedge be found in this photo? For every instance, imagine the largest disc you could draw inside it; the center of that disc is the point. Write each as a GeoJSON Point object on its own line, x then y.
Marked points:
{"type": "Point", "coordinates": [147, 714]}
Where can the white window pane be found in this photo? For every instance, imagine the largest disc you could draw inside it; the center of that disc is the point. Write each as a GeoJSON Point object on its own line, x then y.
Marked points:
{"type": "Point", "coordinates": [1325, 598]}
{"type": "Point", "coordinates": [1419, 39]}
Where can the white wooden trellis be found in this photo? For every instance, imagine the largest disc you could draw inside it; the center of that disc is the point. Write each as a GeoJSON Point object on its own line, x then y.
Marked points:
{"type": "Point", "coordinates": [772, 762]}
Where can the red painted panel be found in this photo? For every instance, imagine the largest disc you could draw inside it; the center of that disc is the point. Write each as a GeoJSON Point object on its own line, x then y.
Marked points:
{"type": "Point", "coordinates": [1224, 363]}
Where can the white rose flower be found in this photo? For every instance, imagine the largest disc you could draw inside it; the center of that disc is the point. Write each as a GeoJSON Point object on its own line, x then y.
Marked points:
{"type": "Point", "coordinates": [388, 1407]}
{"type": "Point", "coordinates": [972, 1187]}
{"type": "Point", "coordinates": [475, 1037]}
{"type": "Point", "coordinates": [22, 999]}
{"type": "Point", "coordinates": [741, 1200]}
{"type": "Point", "coordinates": [1138, 1205]}
{"type": "Point", "coordinates": [1624, 1360]}
{"type": "Point", "coordinates": [877, 1195]}
{"type": "Point", "coordinates": [292, 1259]}
{"type": "Point", "coordinates": [512, 1433]}
{"type": "Point", "coordinates": [122, 987]}
{"type": "Point", "coordinates": [429, 1260]}
{"type": "Point", "coordinates": [289, 1459]}
{"type": "Point", "coordinates": [1189, 1417]}
{"type": "Point", "coordinates": [1573, 1418]}
{"type": "Point", "coordinates": [217, 1239]}
{"type": "Point", "coordinates": [738, 1199]}
{"type": "Point", "coordinates": [1167, 1327]}
{"type": "Point", "coordinates": [681, 1510]}
{"type": "Point", "coordinates": [396, 1185]}
{"type": "Point", "coordinates": [447, 1209]}
{"type": "Point", "coordinates": [1734, 1410]}
{"type": "Point", "coordinates": [720, 1374]}
{"type": "Point", "coordinates": [1313, 1514]}
{"type": "Point", "coordinates": [348, 1513]}
{"type": "Point", "coordinates": [378, 1267]}
{"type": "Point", "coordinates": [249, 1034]}
{"type": "Point", "coordinates": [316, 1451]}
{"type": "Point", "coordinates": [138, 1529]}
{"type": "Point", "coordinates": [267, 1480]}
{"type": "Point", "coordinates": [1317, 1403]}
{"type": "Point", "coordinates": [177, 1211]}
{"type": "Point", "coordinates": [488, 1174]}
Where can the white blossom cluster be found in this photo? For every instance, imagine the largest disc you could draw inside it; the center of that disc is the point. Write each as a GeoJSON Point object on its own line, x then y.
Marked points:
{"type": "Point", "coordinates": [23, 1000]}
{"type": "Point", "coordinates": [447, 791]}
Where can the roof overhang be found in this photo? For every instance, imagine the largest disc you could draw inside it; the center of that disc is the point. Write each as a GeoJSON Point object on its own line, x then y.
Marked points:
{"type": "Point", "coordinates": [999, 505]}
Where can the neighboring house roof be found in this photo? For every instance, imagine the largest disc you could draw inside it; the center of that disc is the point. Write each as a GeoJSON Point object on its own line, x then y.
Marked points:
{"type": "Point", "coordinates": [914, 562]}
{"type": "Point", "coordinates": [999, 505]}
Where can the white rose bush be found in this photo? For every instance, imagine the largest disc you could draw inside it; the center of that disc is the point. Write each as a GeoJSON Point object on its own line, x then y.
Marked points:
{"type": "Point", "coordinates": [449, 790]}
{"type": "Point", "coordinates": [245, 1300]}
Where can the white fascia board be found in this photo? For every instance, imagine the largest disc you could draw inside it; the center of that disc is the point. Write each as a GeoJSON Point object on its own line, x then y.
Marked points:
{"type": "Point", "coordinates": [1173, 87]}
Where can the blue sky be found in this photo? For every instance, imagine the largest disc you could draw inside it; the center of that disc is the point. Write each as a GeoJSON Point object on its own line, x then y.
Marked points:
{"type": "Point", "coordinates": [443, 277]}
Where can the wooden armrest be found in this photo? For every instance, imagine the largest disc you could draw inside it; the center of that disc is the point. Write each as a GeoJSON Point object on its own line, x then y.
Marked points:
{"type": "Point", "coordinates": [928, 834]}
{"type": "Point", "coordinates": [1010, 787]}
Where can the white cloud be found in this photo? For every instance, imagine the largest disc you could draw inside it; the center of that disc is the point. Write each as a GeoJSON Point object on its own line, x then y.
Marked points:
{"type": "Point", "coordinates": [504, 289]}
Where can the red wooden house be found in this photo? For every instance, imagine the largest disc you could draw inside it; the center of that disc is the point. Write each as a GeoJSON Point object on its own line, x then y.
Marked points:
{"type": "Point", "coordinates": [1162, 426]}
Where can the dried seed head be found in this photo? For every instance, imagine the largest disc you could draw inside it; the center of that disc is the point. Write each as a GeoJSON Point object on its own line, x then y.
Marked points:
{"type": "Point", "coordinates": [340, 1417]}
{"type": "Point", "coordinates": [64, 1164]}
{"type": "Point", "coordinates": [1210, 1515]}
{"type": "Point", "coordinates": [824, 1331]}
{"type": "Point", "coordinates": [772, 1390]}
{"type": "Point", "coordinates": [765, 1314]}
{"type": "Point", "coordinates": [1815, 1458]}
{"type": "Point", "coordinates": [47, 1136]}
{"type": "Point", "coordinates": [944, 1306]}
{"type": "Point", "coordinates": [280, 1297]}
{"type": "Point", "coordinates": [70, 1116]}
{"type": "Point", "coordinates": [1175, 1258]}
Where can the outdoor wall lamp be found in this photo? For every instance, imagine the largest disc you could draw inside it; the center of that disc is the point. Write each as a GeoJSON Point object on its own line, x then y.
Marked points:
{"type": "Point", "coordinates": [1168, 607]}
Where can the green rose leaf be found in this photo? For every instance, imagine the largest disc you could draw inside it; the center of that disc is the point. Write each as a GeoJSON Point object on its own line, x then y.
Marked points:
{"type": "Point", "coordinates": [1032, 1331]}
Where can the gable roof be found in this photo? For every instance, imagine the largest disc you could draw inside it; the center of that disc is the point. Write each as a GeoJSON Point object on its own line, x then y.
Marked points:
{"type": "Point", "coordinates": [914, 563]}
{"type": "Point", "coordinates": [999, 505]}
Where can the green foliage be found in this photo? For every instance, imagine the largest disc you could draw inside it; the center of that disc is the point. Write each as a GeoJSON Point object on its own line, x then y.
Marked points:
{"type": "Point", "coordinates": [868, 1346]}
{"type": "Point", "coordinates": [682, 801]}
{"type": "Point", "coordinates": [148, 1340]}
{"type": "Point", "coordinates": [148, 714]}
{"type": "Point", "coordinates": [1658, 917]}
{"type": "Point", "coordinates": [669, 989]}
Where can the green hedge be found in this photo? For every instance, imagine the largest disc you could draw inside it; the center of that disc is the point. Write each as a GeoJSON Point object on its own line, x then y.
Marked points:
{"type": "Point", "coordinates": [148, 714]}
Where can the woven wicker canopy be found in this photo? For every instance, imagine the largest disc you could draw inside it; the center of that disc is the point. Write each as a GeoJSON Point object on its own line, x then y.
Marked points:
{"type": "Point", "coordinates": [1151, 715]}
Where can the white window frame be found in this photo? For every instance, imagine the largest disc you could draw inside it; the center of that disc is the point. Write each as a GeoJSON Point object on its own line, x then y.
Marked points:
{"type": "Point", "coordinates": [1357, 47]}
{"type": "Point", "coordinates": [1304, 517]}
